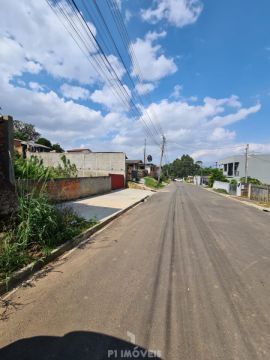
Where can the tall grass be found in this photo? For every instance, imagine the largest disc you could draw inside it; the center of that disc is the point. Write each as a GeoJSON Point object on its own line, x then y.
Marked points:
{"type": "Point", "coordinates": [35, 229]}
{"type": "Point", "coordinates": [152, 183]}
{"type": "Point", "coordinates": [34, 169]}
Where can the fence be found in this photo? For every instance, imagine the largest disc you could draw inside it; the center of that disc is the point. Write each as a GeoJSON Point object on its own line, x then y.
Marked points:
{"type": "Point", "coordinates": [259, 193]}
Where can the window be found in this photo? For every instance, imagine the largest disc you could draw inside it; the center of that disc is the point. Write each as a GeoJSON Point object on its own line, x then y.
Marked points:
{"type": "Point", "coordinates": [225, 167]}
{"type": "Point", "coordinates": [230, 169]}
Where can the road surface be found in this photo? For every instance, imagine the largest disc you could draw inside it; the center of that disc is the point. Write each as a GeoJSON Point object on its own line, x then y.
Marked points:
{"type": "Point", "coordinates": [186, 275]}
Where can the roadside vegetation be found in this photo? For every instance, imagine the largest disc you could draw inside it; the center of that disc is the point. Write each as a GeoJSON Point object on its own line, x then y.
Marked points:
{"type": "Point", "coordinates": [34, 169]}
{"type": "Point", "coordinates": [153, 183]}
{"type": "Point", "coordinates": [37, 227]}
{"type": "Point", "coordinates": [251, 180]}
{"type": "Point", "coordinates": [221, 191]}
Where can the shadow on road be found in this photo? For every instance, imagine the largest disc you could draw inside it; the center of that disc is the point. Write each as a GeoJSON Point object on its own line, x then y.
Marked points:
{"type": "Point", "coordinates": [79, 345]}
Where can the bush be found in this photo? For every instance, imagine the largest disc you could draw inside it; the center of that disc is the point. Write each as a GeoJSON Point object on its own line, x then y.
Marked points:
{"type": "Point", "coordinates": [152, 183]}
{"type": "Point", "coordinates": [216, 175]}
{"type": "Point", "coordinates": [33, 168]}
{"type": "Point", "coordinates": [250, 181]}
{"type": "Point", "coordinates": [37, 227]}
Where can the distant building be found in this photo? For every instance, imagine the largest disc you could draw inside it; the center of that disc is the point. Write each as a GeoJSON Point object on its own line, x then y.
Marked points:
{"type": "Point", "coordinates": [80, 150]}
{"type": "Point", "coordinates": [258, 167]}
{"type": "Point", "coordinates": [152, 170]}
{"type": "Point", "coordinates": [135, 169]}
{"type": "Point", "coordinates": [22, 147]}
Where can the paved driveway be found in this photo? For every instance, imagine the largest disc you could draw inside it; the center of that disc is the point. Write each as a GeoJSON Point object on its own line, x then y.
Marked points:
{"type": "Point", "coordinates": [102, 206]}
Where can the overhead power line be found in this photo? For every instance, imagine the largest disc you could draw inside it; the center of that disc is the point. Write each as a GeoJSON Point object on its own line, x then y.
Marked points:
{"type": "Point", "coordinates": [95, 51]}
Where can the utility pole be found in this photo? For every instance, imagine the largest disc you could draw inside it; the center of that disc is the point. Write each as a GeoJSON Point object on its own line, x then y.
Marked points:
{"type": "Point", "coordinates": [144, 153]}
{"type": "Point", "coordinates": [246, 162]}
{"type": "Point", "coordinates": [161, 155]}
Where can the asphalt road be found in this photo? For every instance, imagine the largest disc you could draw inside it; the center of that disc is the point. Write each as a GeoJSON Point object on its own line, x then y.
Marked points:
{"type": "Point", "coordinates": [186, 275]}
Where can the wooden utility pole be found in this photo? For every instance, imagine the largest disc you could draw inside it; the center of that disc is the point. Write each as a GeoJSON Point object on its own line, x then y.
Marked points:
{"type": "Point", "coordinates": [246, 162]}
{"type": "Point", "coordinates": [161, 155]}
{"type": "Point", "coordinates": [144, 153]}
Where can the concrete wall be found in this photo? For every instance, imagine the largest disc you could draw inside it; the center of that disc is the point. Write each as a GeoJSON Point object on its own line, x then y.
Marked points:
{"type": "Point", "coordinates": [8, 200]}
{"type": "Point", "coordinates": [91, 164]}
{"type": "Point", "coordinates": [71, 188]}
{"type": "Point", "coordinates": [221, 185]}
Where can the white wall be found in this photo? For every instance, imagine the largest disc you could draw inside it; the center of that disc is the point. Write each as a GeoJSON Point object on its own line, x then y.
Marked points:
{"type": "Point", "coordinates": [91, 164]}
{"type": "Point", "coordinates": [222, 185]}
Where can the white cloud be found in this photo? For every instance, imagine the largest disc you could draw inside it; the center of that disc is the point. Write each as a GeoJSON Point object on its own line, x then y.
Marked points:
{"type": "Point", "coordinates": [128, 15]}
{"type": "Point", "coordinates": [177, 12]}
{"type": "Point", "coordinates": [232, 118]}
{"type": "Point", "coordinates": [37, 41]}
{"type": "Point", "coordinates": [177, 90]}
{"type": "Point", "coordinates": [35, 86]}
{"type": "Point", "coordinates": [153, 64]}
{"type": "Point", "coordinates": [108, 97]}
{"type": "Point", "coordinates": [74, 92]}
{"type": "Point", "coordinates": [144, 88]}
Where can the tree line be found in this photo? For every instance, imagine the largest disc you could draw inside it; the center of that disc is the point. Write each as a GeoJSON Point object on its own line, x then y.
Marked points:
{"type": "Point", "coordinates": [27, 132]}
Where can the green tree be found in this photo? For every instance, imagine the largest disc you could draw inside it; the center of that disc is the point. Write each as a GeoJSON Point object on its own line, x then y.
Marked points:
{"type": "Point", "coordinates": [45, 142]}
{"type": "Point", "coordinates": [24, 131]}
{"type": "Point", "coordinates": [182, 167]}
{"type": "Point", "coordinates": [216, 175]}
{"type": "Point", "coordinates": [57, 148]}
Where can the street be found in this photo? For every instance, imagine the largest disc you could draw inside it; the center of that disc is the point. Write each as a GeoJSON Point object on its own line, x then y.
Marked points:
{"type": "Point", "coordinates": [185, 275]}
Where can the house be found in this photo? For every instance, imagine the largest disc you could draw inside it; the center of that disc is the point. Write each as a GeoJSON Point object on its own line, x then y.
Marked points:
{"type": "Point", "coordinates": [152, 170]}
{"type": "Point", "coordinates": [135, 169]}
{"type": "Point", "coordinates": [258, 166]}
{"type": "Point", "coordinates": [22, 147]}
{"type": "Point", "coordinates": [80, 150]}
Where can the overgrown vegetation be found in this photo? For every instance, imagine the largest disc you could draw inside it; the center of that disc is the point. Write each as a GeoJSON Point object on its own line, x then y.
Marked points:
{"type": "Point", "coordinates": [34, 169]}
{"type": "Point", "coordinates": [216, 175]}
{"type": "Point", "coordinates": [250, 180]}
{"type": "Point", "coordinates": [152, 183]}
{"type": "Point", "coordinates": [34, 230]}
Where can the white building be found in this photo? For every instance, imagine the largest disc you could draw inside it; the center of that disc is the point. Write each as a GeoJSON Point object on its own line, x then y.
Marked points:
{"type": "Point", "coordinates": [258, 167]}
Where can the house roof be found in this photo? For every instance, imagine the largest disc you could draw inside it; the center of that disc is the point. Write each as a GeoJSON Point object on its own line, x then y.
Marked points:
{"type": "Point", "coordinates": [134, 162]}
{"type": "Point", "coordinates": [79, 150]}
{"type": "Point", "coordinates": [32, 143]}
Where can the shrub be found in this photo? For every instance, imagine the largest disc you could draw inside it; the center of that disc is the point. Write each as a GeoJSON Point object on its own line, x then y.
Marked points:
{"type": "Point", "coordinates": [216, 175]}
{"type": "Point", "coordinates": [33, 168]}
{"type": "Point", "coordinates": [35, 229]}
{"type": "Point", "coordinates": [250, 180]}
{"type": "Point", "coordinates": [152, 183]}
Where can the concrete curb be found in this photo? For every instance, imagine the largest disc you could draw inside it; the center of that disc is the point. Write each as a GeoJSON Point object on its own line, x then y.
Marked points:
{"type": "Point", "coordinates": [23, 274]}
{"type": "Point", "coordinates": [239, 201]}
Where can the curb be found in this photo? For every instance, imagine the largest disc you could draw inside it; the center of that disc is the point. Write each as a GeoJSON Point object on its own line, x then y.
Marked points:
{"type": "Point", "coordinates": [23, 274]}
{"type": "Point", "coordinates": [264, 209]}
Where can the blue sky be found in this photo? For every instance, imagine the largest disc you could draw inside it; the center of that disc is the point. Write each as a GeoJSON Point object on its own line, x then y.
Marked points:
{"type": "Point", "coordinates": [204, 66]}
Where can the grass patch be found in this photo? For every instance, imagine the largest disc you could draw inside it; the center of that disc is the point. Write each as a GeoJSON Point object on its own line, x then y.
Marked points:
{"type": "Point", "coordinates": [221, 191]}
{"type": "Point", "coordinates": [152, 183]}
{"type": "Point", "coordinates": [35, 230]}
{"type": "Point", "coordinates": [264, 204]}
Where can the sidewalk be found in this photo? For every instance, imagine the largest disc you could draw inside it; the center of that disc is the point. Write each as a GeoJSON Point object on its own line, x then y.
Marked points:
{"type": "Point", "coordinates": [243, 200]}
{"type": "Point", "coordinates": [103, 206]}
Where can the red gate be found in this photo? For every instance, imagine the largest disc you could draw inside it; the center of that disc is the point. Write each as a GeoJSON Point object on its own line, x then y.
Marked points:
{"type": "Point", "coordinates": [118, 181]}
